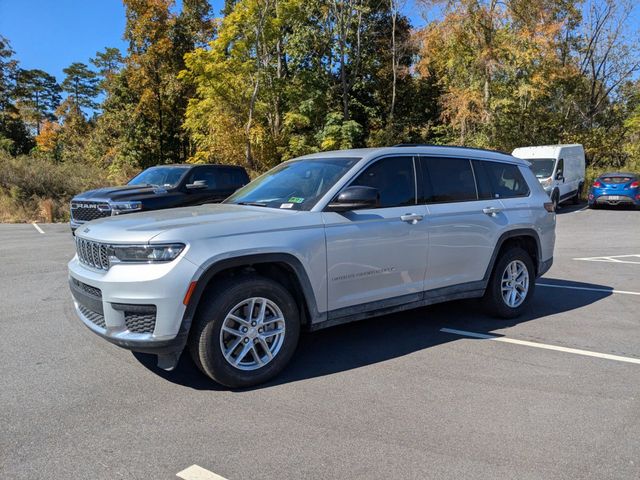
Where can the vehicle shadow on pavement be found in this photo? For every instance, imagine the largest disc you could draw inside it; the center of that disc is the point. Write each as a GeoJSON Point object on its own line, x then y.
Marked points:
{"type": "Point", "coordinates": [375, 340]}
{"type": "Point", "coordinates": [570, 208]}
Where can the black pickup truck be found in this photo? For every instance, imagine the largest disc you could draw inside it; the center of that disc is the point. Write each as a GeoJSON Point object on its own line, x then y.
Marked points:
{"type": "Point", "coordinates": [163, 186]}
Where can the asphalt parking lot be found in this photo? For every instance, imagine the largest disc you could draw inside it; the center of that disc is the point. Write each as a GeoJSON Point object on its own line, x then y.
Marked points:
{"type": "Point", "coordinates": [554, 394]}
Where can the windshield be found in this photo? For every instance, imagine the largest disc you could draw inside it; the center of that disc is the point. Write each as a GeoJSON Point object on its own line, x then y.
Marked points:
{"type": "Point", "coordinates": [159, 176]}
{"type": "Point", "coordinates": [542, 167]}
{"type": "Point", "coordinates": [297, 185]}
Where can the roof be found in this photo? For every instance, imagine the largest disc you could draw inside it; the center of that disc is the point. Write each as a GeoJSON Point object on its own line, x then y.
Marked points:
{"type": "Point", "coordinates": [440, 150]}
{"type": "Point", "coordinates": [192, 165]}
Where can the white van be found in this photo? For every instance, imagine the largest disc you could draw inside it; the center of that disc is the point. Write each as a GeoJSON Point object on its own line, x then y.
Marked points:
{"type": "Point", "coordinates": [559, 168]}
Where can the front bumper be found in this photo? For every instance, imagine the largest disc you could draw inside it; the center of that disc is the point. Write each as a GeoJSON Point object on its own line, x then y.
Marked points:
{"type": "Point", "coordinates": [137, 306]}
{"type": "Point", "coordinates": [75, 224]}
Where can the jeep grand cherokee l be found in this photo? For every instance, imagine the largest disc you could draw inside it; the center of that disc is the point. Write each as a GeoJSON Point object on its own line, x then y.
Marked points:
{"type": "Point", "coordinates": [317, 241]}
{"type": "Point", "coordinates": [163, 186]}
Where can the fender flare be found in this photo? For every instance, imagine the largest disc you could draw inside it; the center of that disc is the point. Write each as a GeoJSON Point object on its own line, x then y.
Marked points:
{"type": "Point", "coordinates": [517, 232]}
{"type": "Point", "coordinates": [247, 260]}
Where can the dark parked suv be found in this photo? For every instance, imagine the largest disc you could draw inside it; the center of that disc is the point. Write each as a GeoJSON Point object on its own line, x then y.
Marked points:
{"type": "Point", "coordinates": [163, 186]}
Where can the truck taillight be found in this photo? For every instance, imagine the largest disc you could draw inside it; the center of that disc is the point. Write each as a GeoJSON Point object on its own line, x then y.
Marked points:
{"type": "Point", "coordinates": [597, 184]}
{"type": "Point", "coordinates": [549, 207]}
{"type": "Point", "coordinates": [634, 185]}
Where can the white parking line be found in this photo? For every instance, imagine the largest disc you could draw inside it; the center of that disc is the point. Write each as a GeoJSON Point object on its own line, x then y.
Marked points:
{"type": "Point", "coordinates": [35, 225]}
{"type": "Point", "coordinates": [633, 259]}
{"type": "Point", "coordinates": [589, 289]}
{"type": "Point", "coordinates": [194, 472]}
{"type": "Point", "coordinates": [544, 346]}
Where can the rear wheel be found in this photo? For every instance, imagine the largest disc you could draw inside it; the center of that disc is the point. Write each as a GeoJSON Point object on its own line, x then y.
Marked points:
{"type": "Point", "coordinates": [511, 285]}
{"type": "Point", "coordinates": [555, 199]}
{"type": "Point", "coordinates": [576, 198]}
{"type": "Point", "coordinates": [246, 332]}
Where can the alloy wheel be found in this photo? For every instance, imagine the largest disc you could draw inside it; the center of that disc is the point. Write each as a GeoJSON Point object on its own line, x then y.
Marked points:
{"type": "Point", "coordinates": [252, 333]}
{"type": "Point", "coordinates": [515, 283]}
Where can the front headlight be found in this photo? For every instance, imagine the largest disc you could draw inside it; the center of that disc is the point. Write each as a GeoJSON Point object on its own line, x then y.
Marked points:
{"type": "Point", "coordinates": [546, 182]}
{"type": "Point", "coordinates": [145, 253]}
{"type": "Point", "coordinates": [125, 207]}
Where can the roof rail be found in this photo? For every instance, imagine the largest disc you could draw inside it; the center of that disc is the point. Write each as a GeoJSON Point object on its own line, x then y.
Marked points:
{"type": "Point", "coordinates": [448, 146]}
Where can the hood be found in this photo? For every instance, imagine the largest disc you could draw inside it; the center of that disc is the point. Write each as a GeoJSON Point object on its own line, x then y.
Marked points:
{"type": "Point", "coordinates": [127, 192]}
{"type": "Point", "coordinates": [187, 223]}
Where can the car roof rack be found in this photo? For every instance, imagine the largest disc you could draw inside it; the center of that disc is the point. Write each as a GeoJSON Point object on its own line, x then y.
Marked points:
{"type": "Point", "coordinates": [448, 146]}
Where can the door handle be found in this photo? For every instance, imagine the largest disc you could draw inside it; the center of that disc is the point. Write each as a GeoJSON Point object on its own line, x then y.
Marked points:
{"type": "Point", "coordinates": [411, 218]}
{"type": "Point", "coordinates": [491, 211]}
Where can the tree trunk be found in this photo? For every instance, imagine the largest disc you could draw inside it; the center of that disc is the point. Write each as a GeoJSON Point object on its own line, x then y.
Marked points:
{"type": "Point", "coordinates": [247, 129]}
{"type": "Point", "coordinates": [394, 66]}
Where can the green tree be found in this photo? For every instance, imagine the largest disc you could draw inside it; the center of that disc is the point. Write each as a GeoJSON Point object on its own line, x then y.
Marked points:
{"type": "Point", "coordinates": [158, 40]}
{"type": "Point", "coordinates": [107, 63]}
{"type": "Point", "coordinates": [38, 94]}
{"type": "Point", "coordinates": [81, 84]}
{"type": "Point", "coordinates": [14, 135]}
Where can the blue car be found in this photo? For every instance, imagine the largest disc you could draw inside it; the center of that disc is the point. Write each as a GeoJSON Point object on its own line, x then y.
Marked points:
{"type": "Point", "coordinates": [615, 189]}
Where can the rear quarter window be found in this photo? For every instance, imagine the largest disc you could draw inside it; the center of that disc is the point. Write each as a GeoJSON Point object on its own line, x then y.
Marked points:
{"type": "Point", "coordinates": [499, 180]}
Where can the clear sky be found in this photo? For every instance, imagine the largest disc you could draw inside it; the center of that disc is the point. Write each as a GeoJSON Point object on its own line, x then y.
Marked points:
{"type": "Point", "coordinates": [52, 34]}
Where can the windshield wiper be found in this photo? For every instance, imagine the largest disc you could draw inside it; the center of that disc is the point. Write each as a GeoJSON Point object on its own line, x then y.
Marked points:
{"type": "Point", "coordinates": [253, 204]}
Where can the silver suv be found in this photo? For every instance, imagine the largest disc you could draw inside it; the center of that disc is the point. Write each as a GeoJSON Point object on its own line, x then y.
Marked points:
{"type": "Point", "coordinates": [317, 241]}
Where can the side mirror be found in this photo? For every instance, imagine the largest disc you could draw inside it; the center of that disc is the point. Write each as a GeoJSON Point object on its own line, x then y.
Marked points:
{"type": "Point", "coordinates": [559, 175]}
{"type": "Point", "coordinates": [197, 185]}
{"type": "Point", "coordinates": [354, 198]}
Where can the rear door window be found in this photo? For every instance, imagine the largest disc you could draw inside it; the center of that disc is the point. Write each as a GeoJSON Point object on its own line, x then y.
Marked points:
{"type": "Point", "coordinates": [499, 180]}
{"type": "Point", "coordinates": [394, 178]}
{"type": "Point", "coordinates": [447, 180]}
{"type": "Point", "coordinates": [231, 177]}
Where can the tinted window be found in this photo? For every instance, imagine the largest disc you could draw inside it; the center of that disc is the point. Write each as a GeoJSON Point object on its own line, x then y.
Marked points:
{"type": "Point", "coordinates": [612, 179]}
{"type": "Point", "coordinates": [485, 185]}
{"type": "Point", "coordinates": [499, 180]}
{"type": "Point", "coordinates": [448, 180]}
{"type": "Point", "coordinates": [394, 178]}
{"type": "Point", "coordinates": [560, 167]}
{"type": "Point", "coordinates": [207, 175]}
{"type": "Point", "coordinates": [230, 178]}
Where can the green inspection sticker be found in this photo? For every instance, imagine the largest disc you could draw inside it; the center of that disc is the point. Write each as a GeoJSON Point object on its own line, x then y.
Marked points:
{"type": "Point", "coordinates": [296, 200]}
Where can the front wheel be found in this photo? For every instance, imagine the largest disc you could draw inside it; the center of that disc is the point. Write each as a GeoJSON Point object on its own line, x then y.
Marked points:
{"type": "Point", "coordinates": [246, 331]}
{"type": "Point", "coordinates": [511, 285]}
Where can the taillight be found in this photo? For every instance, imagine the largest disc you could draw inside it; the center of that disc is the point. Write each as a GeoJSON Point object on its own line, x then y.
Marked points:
{"type": "Point", "coordinates": [634, 185]}
{"type": "Point", "coordinates": [549, 207]}
{"type": "Point", "coordinates": [597, 184]}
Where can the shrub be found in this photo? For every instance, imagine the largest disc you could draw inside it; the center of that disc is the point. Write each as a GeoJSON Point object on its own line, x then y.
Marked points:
{"type": "Point", "coordinates": [33, 188]}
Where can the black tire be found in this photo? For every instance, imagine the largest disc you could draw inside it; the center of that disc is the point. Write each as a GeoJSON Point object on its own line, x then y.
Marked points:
{"type": "Point", "coordinates": [205, 339]}
{"type": "Point", "coordinates": [493, 301]}
{"type": "Point", "coordinates": [555, 198]}
{"type": "Point", "coordinates": [576, 198]}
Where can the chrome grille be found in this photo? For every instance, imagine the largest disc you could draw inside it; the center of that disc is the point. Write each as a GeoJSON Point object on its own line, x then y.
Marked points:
{"type": "Point", "coordinates": [94, 254]}
{"type": "Point", "coordinates": [87, 211]}
{"type": "Point", "coordinates": [140, 322]}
